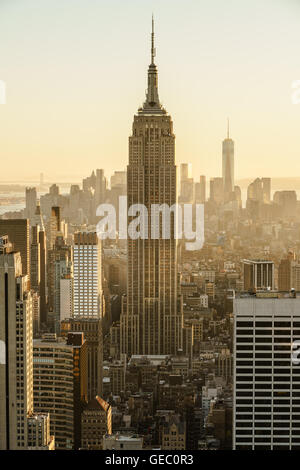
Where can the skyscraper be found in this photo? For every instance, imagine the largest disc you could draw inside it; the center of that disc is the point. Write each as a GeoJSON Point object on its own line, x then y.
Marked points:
{"type": "Point", "coordinates": [35, 262]}
{"type": "Point", "coordinates": [287, 202]}
{"type": "Point", "coordinates": [55, 225]}
{"type": "Point", "coordinates": [200, 190]}
{"type": "Point", "coordinates": [100, 187]}
{"type": "Point", "coordinates": [92, 330]}
{"type": "Point", "coordinates": [59, 264]}
{"type": "Point", "coordinates": [60, 385]}
{"type": "Point", "coordinates": [216, 186]}
{"type": "Point", "coordinates": [30, 196]}
{"type": "Point", "coordinates": [39, 260]}
{"type": "Point", "coordinates": [289, 273]}
{"type": "Point", "coordinates": [18, 234]}
{"type": "Point", "coordinates": [266, 190]}
{"type": "Point", "coordinates": [260, 191]}
{"type": "Point", "coordinates": [186, 183]}
{"type": "Point", "coordinates": [88, 304]}
{"type": "Point", "coordinates": [228, 165]}
{"type": "Point", "coordinates": [66, 296]}
{"type": "Point", "coordinates": [266, 413]}
{"type": "Point", "coordinates": [16, 399]}
{"type": "Point", "coordinates": [87, 275]}
{"type": "Point", "coordinates": [151, 320]}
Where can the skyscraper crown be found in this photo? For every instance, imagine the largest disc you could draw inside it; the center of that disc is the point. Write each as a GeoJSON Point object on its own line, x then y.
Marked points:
{"type": "Point", "coordinates": [152, 104]}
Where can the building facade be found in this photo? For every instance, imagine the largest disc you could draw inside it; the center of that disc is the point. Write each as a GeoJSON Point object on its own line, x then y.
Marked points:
{"type": "Point", "coordinates": [87, 275]}
{"type": "Point", "coordinates": [266, 411]}
{"type": "Point", "coordinates": [60, 385]}
{"type": "Point", "coordinates": [151, 320]}
{"type": "Point", "coordinates": [16, 399]}
{"type": "Point", "coordinates": [18, 234]}
{"type": "Point", "coordinates": [258, 274]}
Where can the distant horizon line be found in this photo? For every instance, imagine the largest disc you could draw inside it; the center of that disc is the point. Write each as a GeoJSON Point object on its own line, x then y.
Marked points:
{"type": "Point", "coordinates": [78, 179]}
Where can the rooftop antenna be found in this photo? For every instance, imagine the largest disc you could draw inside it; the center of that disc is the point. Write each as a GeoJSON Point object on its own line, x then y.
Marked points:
{"type": "Point", "coordinates": [152, 42]}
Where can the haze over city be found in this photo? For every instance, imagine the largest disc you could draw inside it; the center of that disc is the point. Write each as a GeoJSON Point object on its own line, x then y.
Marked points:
{"type": "Point", "coordinates": [149, 228]}
{"type": "Point", "coordinates": [75, 76]}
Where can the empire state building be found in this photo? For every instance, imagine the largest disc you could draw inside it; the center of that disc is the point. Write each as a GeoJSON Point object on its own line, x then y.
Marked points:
{"type": "Point", "coordinates": [151, 319]}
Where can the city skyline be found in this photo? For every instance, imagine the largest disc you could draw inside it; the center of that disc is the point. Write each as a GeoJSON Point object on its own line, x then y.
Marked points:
{"type": "Point", "coordinates": [145, 306]}
{"type": "Point", "coordinates": [66, 114]}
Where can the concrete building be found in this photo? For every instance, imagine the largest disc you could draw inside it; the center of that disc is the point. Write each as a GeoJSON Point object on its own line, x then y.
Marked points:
{"type": "Point", "coordinates": [35, 262]}
{"type": "Point", "coordinates": [38, 261]}
{"type": "Point", "coordinates": [173, 435]}
{"type": "Point", "coordinates": [60, 385]}
{"type": "Point", "coordinates": [200, 190]}
{"type": "Point", "coordinates": [18, 234]}
{"type": "Point", "coordinates": [39, 437]}
{"type": "Point", "coordinates": [258, 274]}
{"type": "Point", "coordinates": [96, 421]}
{"type": "Point", "coordinates": [289, 273]}
{"type": "Point", "coordinates": [117, 372]}
{"type": "Point", "coordinates": [186, 183]}
{"type": "Point", "coordinates": [224, 364]}
{"type": "Point", "coordinates": [287, 202]}
{"type": "Point", "coordinates": [209, 392]}
{"type": "Point", "coordinates": [228, 166]}
{"type": "Point", "coordinates": [216, 190]}
{"type": "Point", "coordinates": [87, 276]}
{"type": "Point", "coordinates": [59, 266]}
{"type": "Point", "coordinates": [66, 296]}
{"type": "Point", "coordinates": [30, 202]}
{"type": "Point", "coordinates": [266, 372]}
{"type": "Point", "coordinates": [36, 313]}
{"type": "Point", "coordinates": [122, 442]}
{"type": "Point", "coordinates": [151, 320]}
{"type": "Point", "coordinates": [92, 330]}
{"type": "Point", "coordinates": [259, 191]}
{"type": "Point", "coordinates": [55, 225]}
{"type": "Point", "coordinates": [16, 400]}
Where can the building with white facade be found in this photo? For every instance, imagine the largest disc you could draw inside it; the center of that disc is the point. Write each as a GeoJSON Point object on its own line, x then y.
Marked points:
{"type": "Point", "coordinates": [87, 295]}
{"type": "Point", "coordinates": [266, 413]}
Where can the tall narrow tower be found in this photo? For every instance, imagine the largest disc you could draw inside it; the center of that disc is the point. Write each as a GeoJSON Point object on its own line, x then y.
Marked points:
{"type": "Point", "coordinates": [228, 165]}
{"type": "Point", "coordinates": [151, 320]}
{"type": "Point", "coordinates": [16, 390]}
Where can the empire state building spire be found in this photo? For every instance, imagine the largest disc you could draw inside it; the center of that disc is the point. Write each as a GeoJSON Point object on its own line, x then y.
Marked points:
{"type": "Point", "coordinates": [152, 104]}
{"type": "Point", "coordinates": [151, 320]}
{"type": "Point", "coordinates": [152, 43]}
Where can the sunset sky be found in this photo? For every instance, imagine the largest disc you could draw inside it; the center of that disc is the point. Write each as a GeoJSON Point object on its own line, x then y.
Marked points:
{"type": "Point", "coordinates": [75, 72]}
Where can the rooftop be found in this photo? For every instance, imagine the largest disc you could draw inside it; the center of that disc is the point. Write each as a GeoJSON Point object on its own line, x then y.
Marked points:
{"type": "Point", "coordinates": [268, 294]}
{"type": "Point", "coordinates": [122, 437]}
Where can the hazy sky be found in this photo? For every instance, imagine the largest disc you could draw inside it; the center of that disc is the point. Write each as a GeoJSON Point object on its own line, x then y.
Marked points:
{"type": "Point", "coordinates": [75, 72]}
